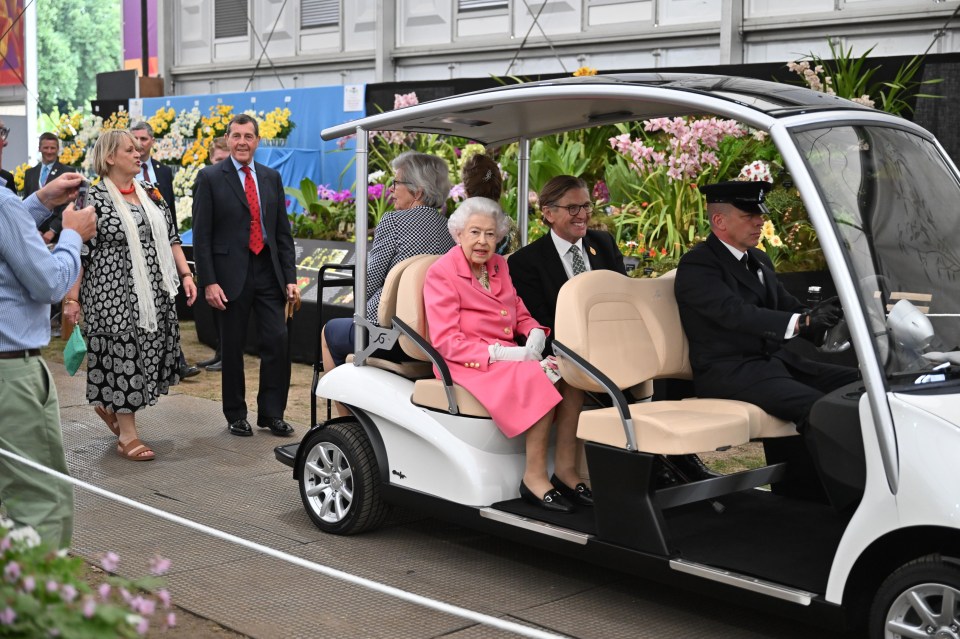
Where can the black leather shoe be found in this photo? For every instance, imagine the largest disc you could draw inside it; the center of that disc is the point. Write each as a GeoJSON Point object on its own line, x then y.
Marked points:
{"type": "Point", "coordinates": [209, 362]}
{"type": "Point", "coordinates": [579, 494]}
{"type": "Point", "coordinates": [552, 500]}
{"type": "Point", "coordinates": [216, 367]}
{"type": "Point", "coordinates": [188, 371]}
{"type": "Point", "coordinates": [240, 427]}
{"type": "Point", "coordinates": [692, 467]}
{"type": "Point", "coordinates": [276, 425]}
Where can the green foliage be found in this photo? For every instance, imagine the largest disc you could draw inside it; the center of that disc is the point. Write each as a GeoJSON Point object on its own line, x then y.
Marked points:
{"type": "Point", "coordinates": [76, 39]}
{"type": "Point", "coordinates": [321, 219]}
{"type": "Point", "coordinates": [849, 76]}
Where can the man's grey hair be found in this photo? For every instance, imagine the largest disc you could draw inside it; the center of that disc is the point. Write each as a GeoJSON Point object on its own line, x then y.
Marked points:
{"type": "Point", "coordinates": [143, 126]}
{"type": "Point", "coordinates": [427, 174]}
{"type": "Point", "coordinates": [478, 206]}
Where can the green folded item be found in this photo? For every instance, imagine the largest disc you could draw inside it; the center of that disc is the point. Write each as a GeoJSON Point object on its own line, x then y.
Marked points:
{"type": "Point", "coordinates": [74, 351]}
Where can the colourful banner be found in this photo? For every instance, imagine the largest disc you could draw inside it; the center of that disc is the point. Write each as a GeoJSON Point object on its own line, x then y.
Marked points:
{"type": "Point", "coordinates": [133, 37]}
{"type": "Point", "coordinates": [11, 43]}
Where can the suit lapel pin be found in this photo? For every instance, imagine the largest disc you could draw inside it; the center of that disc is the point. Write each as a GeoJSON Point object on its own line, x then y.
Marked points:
{"type": "Point", "coordinates": [593, 251]}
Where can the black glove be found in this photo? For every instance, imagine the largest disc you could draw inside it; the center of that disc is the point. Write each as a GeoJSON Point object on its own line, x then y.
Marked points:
{"type": "Point", "coordinates": [815, 323]}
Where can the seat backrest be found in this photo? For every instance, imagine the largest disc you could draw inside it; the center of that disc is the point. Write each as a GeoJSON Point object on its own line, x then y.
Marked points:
{"type": "Point", "coordinates": [409, 302]}
{"type": "Point", "coordinates": [388, 297]}
{"type": "Point", "coordinates": [629, 328]}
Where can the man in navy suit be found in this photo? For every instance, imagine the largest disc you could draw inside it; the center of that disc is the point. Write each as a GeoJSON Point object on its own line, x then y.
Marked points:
{"type": "Point", "coordinates": [150, 170]}
{"type": "Point", "coordinates": [738, 316]}
{"type": "Point", "coordinates": [47, 170]}
{"type": "Point", "coordinates": [245, 258]}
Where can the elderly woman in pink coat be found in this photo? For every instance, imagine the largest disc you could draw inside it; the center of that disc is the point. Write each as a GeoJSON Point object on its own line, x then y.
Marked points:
{"type": "Point", "coordinates": [476, 320]}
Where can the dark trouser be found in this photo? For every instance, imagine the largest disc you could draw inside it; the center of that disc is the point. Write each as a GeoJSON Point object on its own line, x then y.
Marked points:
{"type": "Point", "coordinates": [788, 390]}
{"type": "Point", "coordinates": [261, 293]}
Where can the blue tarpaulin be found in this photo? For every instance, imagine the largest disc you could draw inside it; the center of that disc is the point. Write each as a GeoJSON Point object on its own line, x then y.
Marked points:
{"type": "Point", "coordinates": [312, 110]}
{"type": "Point", "coordinates": [305, 155]}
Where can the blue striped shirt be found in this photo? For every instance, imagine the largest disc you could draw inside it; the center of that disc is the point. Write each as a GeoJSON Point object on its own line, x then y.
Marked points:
{"type": "Point", "coordinates": [31, 276]}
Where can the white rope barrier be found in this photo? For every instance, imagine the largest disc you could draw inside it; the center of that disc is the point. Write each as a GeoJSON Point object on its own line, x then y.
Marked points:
{"type": "Point", "coordinates": [426, 602]}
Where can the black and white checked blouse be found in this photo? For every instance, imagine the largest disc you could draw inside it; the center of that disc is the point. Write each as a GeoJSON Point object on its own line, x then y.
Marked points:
{"type": "Point", "coordinates": [399, 235]}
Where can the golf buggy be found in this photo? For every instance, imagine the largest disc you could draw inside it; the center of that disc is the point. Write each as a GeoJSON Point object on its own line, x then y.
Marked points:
{"type": "Point", "coordinates": [855, 522]}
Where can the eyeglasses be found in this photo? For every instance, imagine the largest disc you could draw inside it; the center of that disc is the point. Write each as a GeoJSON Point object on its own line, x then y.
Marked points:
{"type": "Point", "coordinates": [4, 132]}
{"type": "Point", "coordinates": [392, 184]}
{"type": "Point", "coordinates": [574, 209]}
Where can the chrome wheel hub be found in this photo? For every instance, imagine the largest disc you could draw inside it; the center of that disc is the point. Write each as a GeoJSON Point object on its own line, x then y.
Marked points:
{"type": "Point", "coordinates": [328, 482]}
{"type": "Point", "coordinates": [924, 611]}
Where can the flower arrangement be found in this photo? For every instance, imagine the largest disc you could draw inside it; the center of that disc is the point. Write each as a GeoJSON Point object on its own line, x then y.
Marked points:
{"type": "Point", "coordinates": [276, 124]}
{"type": "Point", "coordinates": [89, 130]}
{"type": "Point", "coordinates": [118, 120]}
{"type": "Point", "coordinates": [43, 593]}
{"type": "Point", "coordinates": [186, 123]}
{"type": "Point", "coordinates": [848, 77]}
{"type": "Point", "coordinates": [184, 179]}
{"type": "Point", "coordinates": [196, 153]}
{"type": "Point", "coordinates": [657, 175]}
{"type": "Point", "coordinates": [215, 124]}
{"type": "Point", "coordinates": [73, 154]}
{"type": "Point", "coordinates": [19, 175]}
{"type": "Point", "coordinates": [184, 212]}
{"type": "Point", "coordinates": [161, 121]}
{"type": "Point", "coordinates": [68, 126]}
{"type": "Point", "coordinates": [170, 148]}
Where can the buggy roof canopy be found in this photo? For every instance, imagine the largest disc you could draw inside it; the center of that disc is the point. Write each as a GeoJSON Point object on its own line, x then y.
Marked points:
{"type": "Point", "coordinates": [504, 114]}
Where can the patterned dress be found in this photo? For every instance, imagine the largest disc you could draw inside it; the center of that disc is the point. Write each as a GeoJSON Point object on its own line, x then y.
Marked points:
{"type": "Point", "coordinates": [127, 367]}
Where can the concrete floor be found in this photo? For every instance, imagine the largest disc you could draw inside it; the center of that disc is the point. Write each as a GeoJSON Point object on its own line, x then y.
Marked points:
{"type": "Point", "coordinates": [234, 484]}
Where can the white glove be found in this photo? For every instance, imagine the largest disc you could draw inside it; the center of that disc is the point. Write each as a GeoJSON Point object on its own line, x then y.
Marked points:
{"type": "Point", "coordinates": [536, 340]}
{"type": "Point", "coordinates": [500, 353]}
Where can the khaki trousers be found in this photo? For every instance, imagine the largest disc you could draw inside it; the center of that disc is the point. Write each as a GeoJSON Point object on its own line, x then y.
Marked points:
{"type": "Point", "coordinates": [30, 427]}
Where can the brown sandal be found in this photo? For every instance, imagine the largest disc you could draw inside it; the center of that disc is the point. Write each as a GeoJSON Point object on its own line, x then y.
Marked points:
{"type": "Point", "coordinates": [109, 418]}
{"type": "Point", "coordinates": [135, 450]}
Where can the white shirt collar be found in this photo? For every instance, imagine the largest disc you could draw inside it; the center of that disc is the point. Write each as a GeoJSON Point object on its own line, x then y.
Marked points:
{"type": "Point", "coordinates": [239, 167]}
{"type": "Point", "coordinates": [563, 246]}
{"type": "Point", "coordinates": [737, 253]}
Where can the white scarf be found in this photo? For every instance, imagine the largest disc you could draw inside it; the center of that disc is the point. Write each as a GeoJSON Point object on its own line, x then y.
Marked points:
{"type": "Point", "coordinates": [158, 228]}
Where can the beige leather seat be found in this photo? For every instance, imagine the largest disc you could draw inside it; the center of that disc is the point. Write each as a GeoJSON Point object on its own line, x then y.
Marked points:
{"type": "Point", "coordinates": [385, 313]}
{"type": "Point", "coordinates": [428, 393]}
{"type": "Point", "coordinates": [630, 330]}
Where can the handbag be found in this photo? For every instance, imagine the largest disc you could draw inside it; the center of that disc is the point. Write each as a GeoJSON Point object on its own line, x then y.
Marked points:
{"type": "Point", "coordinates": [74, 351]}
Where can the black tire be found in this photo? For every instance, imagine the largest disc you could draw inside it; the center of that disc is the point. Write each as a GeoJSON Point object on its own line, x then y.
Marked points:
{"type": "Point", "coordinates": [340, 481]}
{"type": "Point", "coordinates": [933, 580]}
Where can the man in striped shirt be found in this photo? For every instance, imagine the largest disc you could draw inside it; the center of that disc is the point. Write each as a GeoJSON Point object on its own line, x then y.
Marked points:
{"type": "Point", "coordinates": [31, 278]}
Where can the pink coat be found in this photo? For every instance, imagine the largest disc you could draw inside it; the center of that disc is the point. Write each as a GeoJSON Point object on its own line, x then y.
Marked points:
{"type": "Point", "coordinates": [464, 318]}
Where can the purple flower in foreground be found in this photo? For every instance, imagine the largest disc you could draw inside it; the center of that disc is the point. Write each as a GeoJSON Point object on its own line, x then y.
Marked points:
{"type": "Point", "coordinates": [104, 590]}
{"type": "Point", "coordinates": [7, 617]}
{"type": "Point", "coordinates": [11, 572]}
{"type": "Point", "coordinates": [52, 586]}
{"type": "Point", "coordinates": [171, 620]}
{"type": "Point", "coordinates": [109, 561]}
{"type": "Point", "coordinates": [89, 607]}
{"type": "Point", "coordinates": [375, 191]}
{"type": "Point", "coordinates": [29, 583]}
{"type": "Point", "coordinates": [68, 593]}
{"type": "Point", "coordinates": [164, 596]}
{"type": "Point", "coordinates": [159, 565]}
{"type": "Point", "coordinates": [5, 544]}
{"type": "Point", "coordinates": [143, 626]}
{"type": "Point", "coordinates": [458, 192]}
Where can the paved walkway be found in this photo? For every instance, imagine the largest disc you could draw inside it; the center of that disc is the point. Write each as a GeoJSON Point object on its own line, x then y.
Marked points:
{"type": "Point", "coordinates": [235, 485]}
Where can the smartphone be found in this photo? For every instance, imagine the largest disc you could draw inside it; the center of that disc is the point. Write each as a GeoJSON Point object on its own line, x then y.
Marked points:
{"type": "Point", "coordinates": [81, 200]}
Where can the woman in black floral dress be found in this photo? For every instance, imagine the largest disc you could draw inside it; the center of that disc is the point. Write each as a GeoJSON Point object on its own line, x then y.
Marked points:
{"type": "Point", "coordinates": [130, 273]}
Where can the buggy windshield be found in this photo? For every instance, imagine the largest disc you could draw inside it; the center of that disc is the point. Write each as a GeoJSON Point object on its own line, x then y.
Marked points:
{"type": "Point", "coordinates": [895, 204]}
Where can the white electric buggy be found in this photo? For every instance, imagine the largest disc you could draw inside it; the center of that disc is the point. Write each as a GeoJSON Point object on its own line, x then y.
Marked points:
{"type": "Point", "coordinates": [855, 523]}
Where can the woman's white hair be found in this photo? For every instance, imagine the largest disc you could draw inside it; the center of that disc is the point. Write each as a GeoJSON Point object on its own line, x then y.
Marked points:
{"type": "Point", "coordinates": [478, 206]}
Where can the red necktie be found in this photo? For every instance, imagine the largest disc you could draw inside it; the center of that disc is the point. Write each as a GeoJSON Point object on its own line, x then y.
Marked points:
{"type": "Point", "coordinates": [256, 233]}
{"type": "Point", "coordinates": [146, 172]}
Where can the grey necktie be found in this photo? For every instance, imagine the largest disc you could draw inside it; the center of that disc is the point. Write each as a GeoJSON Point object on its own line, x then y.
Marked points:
{"type": "Point", "coordinates": [578, 265]}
